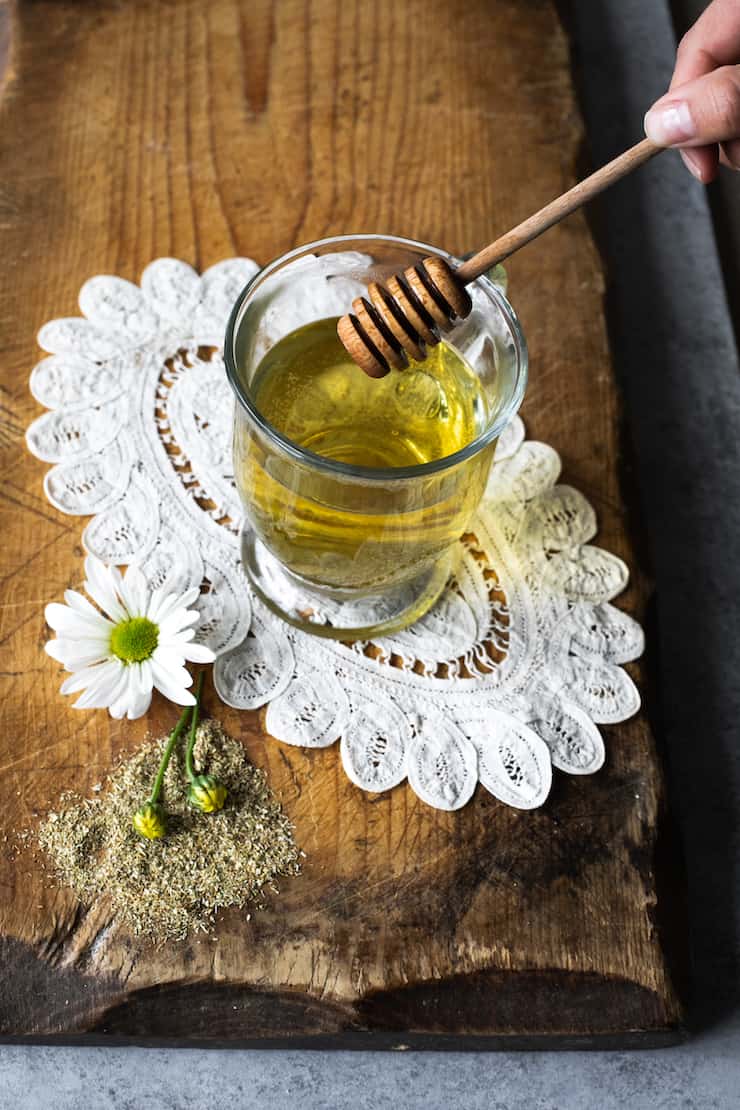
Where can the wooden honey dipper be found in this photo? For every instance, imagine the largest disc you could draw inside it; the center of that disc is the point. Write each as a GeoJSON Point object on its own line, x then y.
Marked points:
{"type": "Point", "coordinates": [406, 316]}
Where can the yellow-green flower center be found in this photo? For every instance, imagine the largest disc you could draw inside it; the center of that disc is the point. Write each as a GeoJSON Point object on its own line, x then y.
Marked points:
{"type": "Point", "coordinates": [134, 640]}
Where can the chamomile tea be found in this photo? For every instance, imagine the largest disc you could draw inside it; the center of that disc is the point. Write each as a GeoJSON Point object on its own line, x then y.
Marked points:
{"type": "Point", "coordinates": [348, 518]}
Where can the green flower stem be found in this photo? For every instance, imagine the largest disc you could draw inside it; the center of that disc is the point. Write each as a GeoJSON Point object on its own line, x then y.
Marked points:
{"type": "Point", "coordinates": [189, 769]}
{"type": "Point", "coordinates": [174, 737]}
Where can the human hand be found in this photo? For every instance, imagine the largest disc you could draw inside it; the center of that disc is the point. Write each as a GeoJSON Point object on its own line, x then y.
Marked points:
{"type": "Point", "coordinates": [700, 113]}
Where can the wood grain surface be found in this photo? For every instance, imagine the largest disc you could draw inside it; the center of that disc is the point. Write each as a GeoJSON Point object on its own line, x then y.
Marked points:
{"type": "Point", "coordinates": [139, 128]}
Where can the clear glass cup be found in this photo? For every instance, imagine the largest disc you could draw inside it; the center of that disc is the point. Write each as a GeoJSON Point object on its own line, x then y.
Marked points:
{"type": "Point", "coordinates": [350, 551]}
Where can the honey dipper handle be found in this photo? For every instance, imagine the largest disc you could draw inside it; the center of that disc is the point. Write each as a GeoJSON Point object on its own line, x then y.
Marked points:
{"type": "Point", "coordinates": [555, 211]}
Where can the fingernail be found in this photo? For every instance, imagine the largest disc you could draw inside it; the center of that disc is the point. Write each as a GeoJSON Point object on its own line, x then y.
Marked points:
{"type": "Point", "coordinates": [670, 123]}
{"type": "Point", "coordinates": [691, 163]}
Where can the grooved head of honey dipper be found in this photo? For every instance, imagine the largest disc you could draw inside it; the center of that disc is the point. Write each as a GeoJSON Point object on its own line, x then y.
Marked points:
{"type": "Point", "coordinates": [359, 348]}
{"type": "Point", "coordinates": [405, 318]}
{"type": "Point", "coordinates": [380, 338]}
{"type": "Point", "coordinates": [446, 288]}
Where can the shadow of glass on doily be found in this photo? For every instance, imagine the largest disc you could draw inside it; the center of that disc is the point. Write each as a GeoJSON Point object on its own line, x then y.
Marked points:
{"type": "Point", "coordinates": [488, 652]}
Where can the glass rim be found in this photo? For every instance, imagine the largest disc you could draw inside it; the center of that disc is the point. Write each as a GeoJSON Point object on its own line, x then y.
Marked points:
{"type": "Point", "coordinates": [349, 470]}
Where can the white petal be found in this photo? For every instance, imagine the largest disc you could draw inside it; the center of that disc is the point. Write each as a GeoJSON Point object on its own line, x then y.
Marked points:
{"type": "Point", "coordinates": [182, 637]}
{"type": "Point", "coordinates": [80, 680]}
{"type": "Point", "coordinates": [101, 693]}
{"type": "Point", "coordinates": [171, 660]}
{"type": "Point", "coordinates": [122, 678]}
{"type": "Point", "coordinates": [155, 602]}
{"type": "Point", "coordinates": [168, 604]}
{"type": "Point", "coordinates": [134, 591]}
{"type": "Point", "coordinates": [113, 673]}
{"type": "Point", "coordinates": [177, 694]}
{"type": "Point", "coordinates": [134, 698]}
{"type": "Point", "coordinates": [180, 647]}
{"type": "Point", "coordinates": [124, 697]}
{"type": "Point", "coordinates": [102, 585]}
{"type": "Point", "coordinates": [91, 678]}
{"type": "Point", "coordinates": [161, 603]}
{"type": "Point", "coordinates": [142, 673]}
{"type": "Point", "coordinates": [173, 602]}
{"type": "Point", "coordinates": [79, 603]}
{"type": "Point", "coordinates": [116, 578]}
{"type": "Point", "coordinates": [198, 653]}
{"type": "Point", "coordinates": [120, 706]}
{"type": "Point", "coordinates": [139, 705]}
{"type": "Point", "coordinates": [170, 664]}
{"type": "Point", "coordinates": [167, 686]}
{"type": "Point", "coordinates": [87, 701]}
{"type": "Point", "coordinates": [77, 653]}
{"type": "Point", "coordinates": [177, 621]}
{"type": "Point", "coordinates": [75, 625]}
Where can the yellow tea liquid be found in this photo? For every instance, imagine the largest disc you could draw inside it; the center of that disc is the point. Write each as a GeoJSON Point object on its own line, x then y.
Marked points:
{"type": "Point", "coordinates": [349, 532]}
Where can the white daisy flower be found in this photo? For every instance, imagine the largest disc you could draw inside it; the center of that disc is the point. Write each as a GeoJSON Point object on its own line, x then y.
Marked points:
{"type": "Point", "coordinates": [140, 639]}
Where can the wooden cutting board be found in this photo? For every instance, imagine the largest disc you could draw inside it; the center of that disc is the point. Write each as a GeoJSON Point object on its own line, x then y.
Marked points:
{"type": "Point", "coordinates": [136, 129]}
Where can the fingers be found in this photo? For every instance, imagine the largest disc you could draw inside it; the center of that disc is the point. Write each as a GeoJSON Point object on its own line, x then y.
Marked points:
{"type": "Point", "coordinates": [702, 112]}
{"type": "Point", "coordinates": [691, 62]}
{"type": "Point", "coordinates": [702, 162]}
{"type": "Point", "coordinates": [730, 154]}
{"type": "Point", "coordinates": [713, 41]}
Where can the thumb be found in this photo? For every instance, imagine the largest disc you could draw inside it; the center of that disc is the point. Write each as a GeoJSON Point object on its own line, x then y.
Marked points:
{"type": "Point", "coordinates": [703, 111]}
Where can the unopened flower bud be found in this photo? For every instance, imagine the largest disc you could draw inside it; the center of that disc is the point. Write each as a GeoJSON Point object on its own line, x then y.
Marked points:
{"type": "Point", "coordinates": [150, 821]}
{"type": "Point", "coordinates": [207, 793]}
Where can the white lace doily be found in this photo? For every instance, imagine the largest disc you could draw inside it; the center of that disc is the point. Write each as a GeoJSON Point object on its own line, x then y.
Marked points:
{"type": "Point", "coordinates": [505, 678]}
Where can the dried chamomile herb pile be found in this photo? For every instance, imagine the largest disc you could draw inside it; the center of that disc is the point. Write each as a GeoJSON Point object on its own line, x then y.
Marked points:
{"type": "Point", "coordinates": [227, 838]}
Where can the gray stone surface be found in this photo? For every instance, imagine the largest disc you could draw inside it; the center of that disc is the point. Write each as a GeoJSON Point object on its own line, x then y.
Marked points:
{"type": "Point", "coordinates": [698, 1077]}
{"type": "Point", "coordinates": [677, 360]}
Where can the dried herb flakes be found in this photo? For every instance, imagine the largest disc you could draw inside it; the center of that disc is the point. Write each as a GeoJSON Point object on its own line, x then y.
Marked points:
{"type": "Point", "coordinates": [164, 889]}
